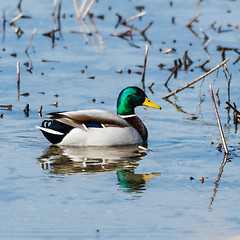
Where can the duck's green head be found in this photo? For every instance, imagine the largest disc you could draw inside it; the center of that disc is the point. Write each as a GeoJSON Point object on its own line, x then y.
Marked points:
{"type": "Point", "coordinates": [131, 97]}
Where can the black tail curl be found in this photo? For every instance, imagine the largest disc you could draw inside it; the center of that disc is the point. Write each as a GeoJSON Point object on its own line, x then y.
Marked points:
{"type": "Point", "coordinates": [57, 126]}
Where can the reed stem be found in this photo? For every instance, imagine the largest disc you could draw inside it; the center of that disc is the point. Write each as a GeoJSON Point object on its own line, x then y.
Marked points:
{"type": "Point", "coordinates": [219, 122]}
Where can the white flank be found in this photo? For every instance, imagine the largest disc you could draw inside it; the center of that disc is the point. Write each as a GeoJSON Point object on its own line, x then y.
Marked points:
{"type": "Point", "coordinates": [109, 136]}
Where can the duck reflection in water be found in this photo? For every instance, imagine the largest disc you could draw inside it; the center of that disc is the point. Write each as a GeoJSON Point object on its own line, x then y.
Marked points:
{"type": "Point", "coordinates": [132, 182]}
{"type": "Point", "coordinates": [91, 160]}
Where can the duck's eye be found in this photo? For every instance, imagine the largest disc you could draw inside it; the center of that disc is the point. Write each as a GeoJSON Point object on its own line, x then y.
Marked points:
{"type": "Point", "coordinates": [136, 93]}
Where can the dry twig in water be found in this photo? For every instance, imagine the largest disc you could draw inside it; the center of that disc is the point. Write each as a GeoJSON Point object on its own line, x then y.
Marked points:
{"type": "Point", "coordinates": [219, 122]}
{"type": "Point", "coordinates": [59, 9]}
{"type": "Point", "coordinates": [40, 111]}
{"type": "Point", "coordinates": [54, 7]}
{"type": "Point", "coordinates": [150, 87]}
{"type": "Point", "coordinates": [202, 66]}
{"type": "Point", "coordinates": [79, 11]}
{"type": "Point", "coordinates": [146, 28]}
{"type": "Point", "coordinates": [169, 51]}
{"type": "Point", "coordinates": [196, 80]}
{"type": "Point", "coordinates": [87, 9]}
{"type": "Point", "coordinates": [125, 23]}
{"type": "Point", "coordinates": [236, 114]}
{"type": "Point", "coordinates": [16, 18]}
{"type": "Point", "coordinates": [175, 69]}
{"type": "Point", "coordinates": [187, 62]}
{"type": "Point", "coordinates": [6, 106]}
{"type": "Point", "coordinates": [192, 20]}
{"type": "Point", "coordinates": [19, 5]}
{"type": "Point", "coordinates": [234, 108]}
{"type": "Point", "coordinates": [134, 17]}
{"type": "Point", "coordinates": [34, 31]}
{"type": "Point", "coordinates": [26, 108]}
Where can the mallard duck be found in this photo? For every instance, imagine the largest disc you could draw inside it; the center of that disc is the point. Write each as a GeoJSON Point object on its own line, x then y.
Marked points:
{"type": "Point", "coordinates": [99, 127]}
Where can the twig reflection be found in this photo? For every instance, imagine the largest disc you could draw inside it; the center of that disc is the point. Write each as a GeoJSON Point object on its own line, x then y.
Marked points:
{"type": "Point", "coordinates": [84, 29]}
{"type": "Point", "coordinates": [179, 109]}
{"type": "Point", "coordinates": [217, 181]}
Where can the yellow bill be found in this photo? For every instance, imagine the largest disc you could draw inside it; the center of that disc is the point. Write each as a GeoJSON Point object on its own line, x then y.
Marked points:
{"type": "Point", "coordinates": [151, 104]}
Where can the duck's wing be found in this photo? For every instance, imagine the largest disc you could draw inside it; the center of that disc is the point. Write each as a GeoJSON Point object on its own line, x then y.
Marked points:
{"type": "Point", "coordinates": [62, 123]}
{"type": "Point", "coordinates": [84, 118]}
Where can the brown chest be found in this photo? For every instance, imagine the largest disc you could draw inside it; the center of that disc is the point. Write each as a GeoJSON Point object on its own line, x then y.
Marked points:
{"type": "Point", "coordinates": [137, 123]}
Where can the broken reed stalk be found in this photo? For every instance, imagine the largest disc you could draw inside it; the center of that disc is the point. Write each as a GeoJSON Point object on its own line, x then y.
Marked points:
{"type": "Point", "coordinates": [219, 122]}
{"type": "Point", "coordinates": [146, 28]}
{"type": "Point", "coordinates": [150, 87]}
{"type": "Point", "coordinates": [196, 80]}
{"type": "Point", "coordinates": [207, 43]}
{"type": "Point", "coordinates": [54, 7]}
{"type": "Point", "coordinates": [59, 9]}
{"type": "Point", "coordinates": [135, 16]}
{"type": "Point", "coordinates": [26, 108]}
{"type": "Point", "coordinates": [19, 4]}
{"type": "Point", "coordinates": [34, 31]}
{"type": "Point", "coordinates": [81, 9]}
{"type": "Point", "coordinates": [87, 9]}
{"type": "Point", "coordinates": [40, 110]}
{"type": "Point", "coordinates": [234, 108]}
{"type": "Point", "coordinates": [18, 78]}
{"type": "Point", "coordinates": [173, 72]}
{"type": "Point", "coordinates": [144, 68]}
{"type": "Point", "coordinates": [192, 20]}
{"type": "Point", "coordinates": [16, 18]}
{"type": "Point", "coordinates": [187, 62]}
{"type": "Point", "coordinates": [7, 107]}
